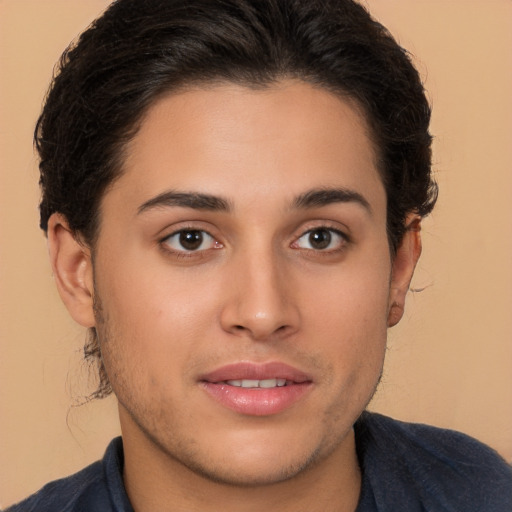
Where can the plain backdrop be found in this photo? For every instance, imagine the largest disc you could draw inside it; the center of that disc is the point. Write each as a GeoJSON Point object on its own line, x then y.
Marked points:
{"type": "Point", "coordinates": [449, 362]}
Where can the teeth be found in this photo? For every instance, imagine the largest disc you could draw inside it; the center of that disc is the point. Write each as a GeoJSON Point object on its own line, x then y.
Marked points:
{"type": "Point", "coordinates": [250, 383]}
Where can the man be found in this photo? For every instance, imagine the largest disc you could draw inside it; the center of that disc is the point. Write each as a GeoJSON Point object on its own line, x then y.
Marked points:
{"type": "Point", "coordinates": [232, 193]}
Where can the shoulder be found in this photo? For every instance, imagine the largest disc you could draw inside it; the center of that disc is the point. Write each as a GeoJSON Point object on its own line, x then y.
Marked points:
{"type": "Point", "coordinates": [93, 488]}
{"type": "Point", "coordinates": [64, 494]}
{"type": "Point", "coordinates": [431, 468]}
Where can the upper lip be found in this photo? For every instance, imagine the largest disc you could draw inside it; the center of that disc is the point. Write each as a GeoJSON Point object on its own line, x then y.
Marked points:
{"type": "Point", "coordinates": [256, 371]}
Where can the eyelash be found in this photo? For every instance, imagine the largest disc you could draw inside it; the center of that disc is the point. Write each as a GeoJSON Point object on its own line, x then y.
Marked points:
{"type": "Point", "coordinates": [188, 253]}
{"type": "Point", "coordinates": [342, 238]}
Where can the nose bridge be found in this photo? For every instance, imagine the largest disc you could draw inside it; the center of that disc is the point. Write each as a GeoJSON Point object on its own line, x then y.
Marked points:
{"type": "Point", "coordinates": [261, 304]}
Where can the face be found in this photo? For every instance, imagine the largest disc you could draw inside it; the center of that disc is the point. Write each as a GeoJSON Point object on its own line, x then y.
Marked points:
{"type": "Point", "coordinates": [242, 280]}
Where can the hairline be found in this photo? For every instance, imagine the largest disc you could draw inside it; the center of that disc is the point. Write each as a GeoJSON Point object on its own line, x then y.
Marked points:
{"type": "Point", "coordinates": [212, 83]}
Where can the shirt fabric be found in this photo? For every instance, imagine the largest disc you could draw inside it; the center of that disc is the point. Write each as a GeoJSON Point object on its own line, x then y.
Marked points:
{"type": "Point", "coordinates": [405, 467]}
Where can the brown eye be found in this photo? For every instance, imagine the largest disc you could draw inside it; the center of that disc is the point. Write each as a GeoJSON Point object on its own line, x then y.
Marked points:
{"type": "Point", "coordinates": [189, 240]}
{"type": "Point", "coordinates": [321, 239]}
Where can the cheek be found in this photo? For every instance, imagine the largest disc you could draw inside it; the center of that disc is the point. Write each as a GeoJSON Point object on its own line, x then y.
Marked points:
{"type": "Point", "coordinates": [353, 336]}
{"type": "Point", "coordinates": [148, 338]}
{"type": "Point", "coordinates": [348, 318]}
{"type": "Point", "coordinates": [146, 296]}
{"type": "Point", "coordinates": [152, 320]}
{"type": "Point", "coordinates": [352, 300]}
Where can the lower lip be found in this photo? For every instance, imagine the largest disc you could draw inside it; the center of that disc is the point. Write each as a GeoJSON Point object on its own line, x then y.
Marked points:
{"type": "Point", "coordinates": [257, 401]}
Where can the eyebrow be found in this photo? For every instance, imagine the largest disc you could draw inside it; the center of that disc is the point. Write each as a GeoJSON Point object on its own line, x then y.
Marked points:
{"type": "Point", "coordinates": [325, 196]}
{"type": "Point", "coordinates": [193, 200]}
{"type": "Point", "coordinates": [311, 199]}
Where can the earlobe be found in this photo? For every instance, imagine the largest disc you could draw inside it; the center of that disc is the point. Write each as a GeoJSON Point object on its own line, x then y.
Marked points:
{"type": "Point", "coordinates": [72, 269]}
{"type": "Point", "coordinates": [403, 266]}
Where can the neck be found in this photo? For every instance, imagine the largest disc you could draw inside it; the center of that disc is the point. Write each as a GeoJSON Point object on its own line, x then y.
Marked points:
{"type": "Point", "coordinates": [155, 481]}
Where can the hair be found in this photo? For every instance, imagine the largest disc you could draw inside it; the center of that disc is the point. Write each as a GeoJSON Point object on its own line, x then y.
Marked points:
{"type": "Point", "coordinates": [139, 50]}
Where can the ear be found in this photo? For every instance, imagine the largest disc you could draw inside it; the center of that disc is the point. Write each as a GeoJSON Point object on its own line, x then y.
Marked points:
{"type": "Point", "coordinates": [403, 266]}
{"type": "Point", "coordinates": [72, 270]}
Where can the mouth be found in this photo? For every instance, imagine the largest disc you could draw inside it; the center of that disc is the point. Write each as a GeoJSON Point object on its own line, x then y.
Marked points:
{"type": "Point", "coordinates": [265, 383]}
{"type": "Point", "coordinates": [256, 389]}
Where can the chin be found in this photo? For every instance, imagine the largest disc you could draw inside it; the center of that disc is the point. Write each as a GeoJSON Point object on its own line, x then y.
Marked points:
{"type": "Point", "coordinates": [253, 459]}
{"type": "Point", "coordinates": [253, 473]}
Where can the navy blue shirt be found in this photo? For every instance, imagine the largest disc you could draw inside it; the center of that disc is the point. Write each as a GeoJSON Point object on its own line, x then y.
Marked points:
{"type": "Point", "coordinates": [405, 467]}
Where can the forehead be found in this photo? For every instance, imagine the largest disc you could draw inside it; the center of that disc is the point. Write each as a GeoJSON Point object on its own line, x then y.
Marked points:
{"type": "Point", "coordinates": [250, 144]}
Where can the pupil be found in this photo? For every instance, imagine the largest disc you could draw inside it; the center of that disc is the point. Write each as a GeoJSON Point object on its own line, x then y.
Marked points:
{"type": "Point", "coordinates": [320, 239]}
{"type": "Point", "coordinates": [191, 240]}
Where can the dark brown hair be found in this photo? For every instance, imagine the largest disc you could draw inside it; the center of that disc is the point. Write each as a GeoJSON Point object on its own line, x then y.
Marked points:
{"type": "Point", "coordinates": [140, 49]}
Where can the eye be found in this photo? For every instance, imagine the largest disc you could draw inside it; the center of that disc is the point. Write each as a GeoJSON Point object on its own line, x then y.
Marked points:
{"type": "Point", "coordinates": [321, 239]}
{"type": "Point", "coordinates": [190, 240]}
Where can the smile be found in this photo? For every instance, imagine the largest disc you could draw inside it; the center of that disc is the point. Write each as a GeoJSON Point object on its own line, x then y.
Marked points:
{"type": "Point", "coordinates": [250, 383]}
{"type": "Point", "coordinates": [257, 389]}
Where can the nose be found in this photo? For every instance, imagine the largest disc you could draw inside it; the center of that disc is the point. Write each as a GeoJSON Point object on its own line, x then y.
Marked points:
{"type": "Point", "coordinates": [260, 301]}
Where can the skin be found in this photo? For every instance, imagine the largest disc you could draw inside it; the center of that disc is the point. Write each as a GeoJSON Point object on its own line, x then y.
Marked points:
{"type": "Point", "coordinates": [258, 289]}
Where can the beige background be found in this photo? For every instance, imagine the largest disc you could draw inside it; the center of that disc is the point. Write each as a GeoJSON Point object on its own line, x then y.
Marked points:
{"type": "Point", "coordinates": [449, 361]}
